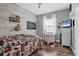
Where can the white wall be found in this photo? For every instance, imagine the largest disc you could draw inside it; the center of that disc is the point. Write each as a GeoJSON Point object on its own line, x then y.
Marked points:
{"type": "Point", "coordinates": [77, 31]}
{"type": "Point", "coordinates": [60, 15]}
{"type": "Point", "coordinates": [74, 15]}
{"type": "Point", "coordinates": [6, 27]}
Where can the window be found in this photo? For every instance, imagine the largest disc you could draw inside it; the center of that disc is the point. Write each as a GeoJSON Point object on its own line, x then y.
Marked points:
{"type": "Point", "coordinates": [49, 24]}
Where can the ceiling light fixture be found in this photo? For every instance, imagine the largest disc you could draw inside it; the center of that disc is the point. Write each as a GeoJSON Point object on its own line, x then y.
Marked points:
{"type": "Point", "coordinates": [39, 5]}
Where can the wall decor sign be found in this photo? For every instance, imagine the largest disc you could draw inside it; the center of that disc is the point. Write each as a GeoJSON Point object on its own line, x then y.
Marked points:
{"type": "Point", "coordinates": [15, 18]}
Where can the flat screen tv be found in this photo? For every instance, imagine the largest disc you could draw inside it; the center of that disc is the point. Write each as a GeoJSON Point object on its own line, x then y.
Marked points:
{"type": "Point", "coordinates": [31, 25]}
{"type": "Point", "coordinates": [67, 23]}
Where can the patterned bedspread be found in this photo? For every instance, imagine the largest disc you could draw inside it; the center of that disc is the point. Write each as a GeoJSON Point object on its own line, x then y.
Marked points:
{"type": "Point", "coordinates": [18, 45]}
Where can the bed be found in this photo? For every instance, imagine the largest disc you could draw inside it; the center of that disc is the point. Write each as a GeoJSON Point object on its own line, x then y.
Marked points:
{"type": "Point", "coordinates": [18, 45]}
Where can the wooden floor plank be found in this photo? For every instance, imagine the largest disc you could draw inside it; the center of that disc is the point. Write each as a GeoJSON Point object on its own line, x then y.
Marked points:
{"type": "Point", "coordinates": [57, 50]}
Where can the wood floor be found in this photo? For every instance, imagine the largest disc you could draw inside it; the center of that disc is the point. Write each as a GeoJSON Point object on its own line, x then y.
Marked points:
{"type": "Point", "coordinates": [53, 50]}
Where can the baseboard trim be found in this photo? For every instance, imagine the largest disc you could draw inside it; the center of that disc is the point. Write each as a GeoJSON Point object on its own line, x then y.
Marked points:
{"type": "Point", "coordinates": [73, 50]}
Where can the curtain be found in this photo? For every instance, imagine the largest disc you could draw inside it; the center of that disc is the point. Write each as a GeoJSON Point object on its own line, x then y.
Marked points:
{"type": "Point", "coordinates": [49, 25]}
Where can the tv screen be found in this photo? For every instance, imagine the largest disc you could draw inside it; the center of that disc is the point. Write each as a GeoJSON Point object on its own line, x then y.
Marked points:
{"type": "Point", "coordinates": [67, 22]}
{"type": "Point", "coordinates": [31, 25]}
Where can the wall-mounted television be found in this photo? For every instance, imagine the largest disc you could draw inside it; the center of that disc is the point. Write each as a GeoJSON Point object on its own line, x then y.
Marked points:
{"type": "Point", "coordinates": [31, 25]}
{"type": "Point", "coordinates": [67, 23]}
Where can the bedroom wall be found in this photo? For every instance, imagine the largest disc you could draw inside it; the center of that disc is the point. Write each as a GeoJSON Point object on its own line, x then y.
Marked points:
{"type": "Point", "coordinates": [60, 15]}
{"type": "Point", "coordinates": [74, 15]}
{"type": "Point", "coordinates": [6, 27]}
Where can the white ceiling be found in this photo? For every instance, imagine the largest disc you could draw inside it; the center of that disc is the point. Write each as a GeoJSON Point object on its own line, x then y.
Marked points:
{"type": "Point", "coordinates": [45, 7]}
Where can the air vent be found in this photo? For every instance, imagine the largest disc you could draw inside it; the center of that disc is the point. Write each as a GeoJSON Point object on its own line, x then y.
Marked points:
{"type": "Point", "coordinates": [49, 16]}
